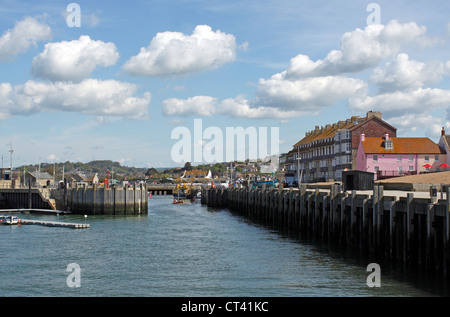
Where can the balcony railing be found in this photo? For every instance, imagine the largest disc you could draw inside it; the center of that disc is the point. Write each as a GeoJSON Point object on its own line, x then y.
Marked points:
{"type": "Point", "coordinates": [390, 174]}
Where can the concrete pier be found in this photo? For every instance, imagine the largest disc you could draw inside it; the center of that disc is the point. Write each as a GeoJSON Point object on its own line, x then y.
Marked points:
{"type": "Point", "coordinates": [400, 228]}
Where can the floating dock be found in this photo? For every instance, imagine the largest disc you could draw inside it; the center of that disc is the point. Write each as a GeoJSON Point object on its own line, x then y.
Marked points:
{"type": "Point", "coordinates": [55, 224]}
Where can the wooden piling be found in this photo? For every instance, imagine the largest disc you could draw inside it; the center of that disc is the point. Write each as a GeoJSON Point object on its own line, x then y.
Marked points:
{"type": "Point", "coordinates": [412, 231]}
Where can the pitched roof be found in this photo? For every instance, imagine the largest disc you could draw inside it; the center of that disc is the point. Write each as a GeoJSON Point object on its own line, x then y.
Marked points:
{"type": "Point", "coordinates": [196, 172]}
{"type": "Point", "coordinates": [41, 175]}
{"type": "Point", "coordinates": [447, 140]}
{"type": "Point", "coordinates": [376, 145]}
{"type": "Point", "coordinates": [330, 129]}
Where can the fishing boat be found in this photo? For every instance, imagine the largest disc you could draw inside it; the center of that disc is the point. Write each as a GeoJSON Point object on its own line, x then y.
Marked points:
{"type": "Point", "coordinates": [179, 194]}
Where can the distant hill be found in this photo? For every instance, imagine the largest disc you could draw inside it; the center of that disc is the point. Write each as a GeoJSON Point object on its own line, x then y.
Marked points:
{"type": "Point", "coordinates": [100, 167]}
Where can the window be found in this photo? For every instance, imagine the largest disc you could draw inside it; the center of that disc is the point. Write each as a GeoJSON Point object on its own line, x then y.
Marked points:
{"type": "Point", "coordinates": [427, 158]}
{"type": "Point", "coordinates": [399, 158]}
{"type": "Point", "coordinates": [347, 134]}
{"type": "Point", "coordinates": [436, 157]}
{"type": "Point", "coordinates": [400, 170]}
{"type": "Point", "coordinates": [411, 158]}
{"type": "Point", "coordinates": [389, 145]}
{"type": "Point", "coordinates": [348, 147]}
{"type": "Point", "coordinates": [375, 158]}
{"type": "Point", "coordinates": [376, 168]}
{"type": "Point", "coordinates": [411, 168]}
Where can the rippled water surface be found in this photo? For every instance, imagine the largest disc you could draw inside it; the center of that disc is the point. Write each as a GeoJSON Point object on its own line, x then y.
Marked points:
{"type": "Point", "coordinates": [185, 250]}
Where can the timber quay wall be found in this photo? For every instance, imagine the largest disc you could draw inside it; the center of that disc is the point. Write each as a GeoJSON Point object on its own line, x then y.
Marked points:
{"type": "Point", "coordinates": [107, 201]}
{"type": "Point", "coordinates": [408, 230]}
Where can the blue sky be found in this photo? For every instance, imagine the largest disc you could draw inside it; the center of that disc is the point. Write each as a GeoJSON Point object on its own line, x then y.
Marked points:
{"type": "Point", "coordinates": [117, 86]}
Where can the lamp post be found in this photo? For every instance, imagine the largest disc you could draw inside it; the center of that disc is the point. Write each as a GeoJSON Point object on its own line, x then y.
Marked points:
{"type": "Point", "coordinates": [299, 180]}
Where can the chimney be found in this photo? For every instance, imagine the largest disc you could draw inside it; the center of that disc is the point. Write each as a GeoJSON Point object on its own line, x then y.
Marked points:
{"type": "Point", "coordinates": [386, 136]}
{"type": "Point", "coordinates": [371, 114]}
{"type": "Point", "coordinates": [443, 131]}
{"type": "Point", "coordinates": [363, 136]}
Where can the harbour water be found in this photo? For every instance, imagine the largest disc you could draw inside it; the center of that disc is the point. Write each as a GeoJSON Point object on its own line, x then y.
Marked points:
{"type": "Point", "coordinates": [186, 250]}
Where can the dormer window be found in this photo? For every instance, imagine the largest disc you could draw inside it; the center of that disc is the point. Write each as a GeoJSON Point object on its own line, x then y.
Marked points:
{"type": "Point", "coordinates": [388, 145]}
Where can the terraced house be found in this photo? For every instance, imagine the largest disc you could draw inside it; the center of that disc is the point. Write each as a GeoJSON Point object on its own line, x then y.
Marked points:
{"type": "Point", "coordinates": [390, 157]}
{"type": "Point", "coordinates": [325, 152]}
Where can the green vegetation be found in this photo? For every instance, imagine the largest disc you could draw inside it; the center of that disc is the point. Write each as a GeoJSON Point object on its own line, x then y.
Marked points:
{"type": "Point", "coordinates": [132, 173]}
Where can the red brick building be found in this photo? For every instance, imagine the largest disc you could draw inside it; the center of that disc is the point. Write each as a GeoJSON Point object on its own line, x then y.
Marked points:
{"type": "Point", "coordinates": [327, 151]}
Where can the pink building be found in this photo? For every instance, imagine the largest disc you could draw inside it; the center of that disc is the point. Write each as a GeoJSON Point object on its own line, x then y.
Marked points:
{"type": "Point", "coordinates": [398, 156]}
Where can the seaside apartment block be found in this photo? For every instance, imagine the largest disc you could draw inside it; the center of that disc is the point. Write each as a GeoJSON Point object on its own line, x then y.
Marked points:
{"type": "Point", "coordinates": [325, 152]}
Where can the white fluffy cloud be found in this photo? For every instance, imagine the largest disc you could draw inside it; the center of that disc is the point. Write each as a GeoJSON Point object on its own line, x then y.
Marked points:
{"type": "Point", "coordinates": [74, 60]}
{"type": "Point", "coordinates": [405, 74]}
{"type": "Point", "coordinates": [25, 33]}
{"type": "Point", "coordinates": [240, 107]}
{"type": "Point", "coordinates": [91, 97]}
{"type": "Point", "coordinates": [360, 50]}
{"type": "Point", "coordinates": [410, 122]}
{"type": "Point", "coordinates": [308, 86]}
{"type": "Point", "coordinates": [198, 105]}
{"type": "Point", "coordinates": [396, 103]}
{"type": "Point", "coordinates": [174, 53]}
{"type": "Point", "coordinates": [310, 94]}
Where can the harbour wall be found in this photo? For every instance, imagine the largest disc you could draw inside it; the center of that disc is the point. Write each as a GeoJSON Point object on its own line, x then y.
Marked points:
{"type": "Point", "coordinates": [79, 199]}
{"type": "Point", "coordinates": [107, 201]}
{"type": "Point", "coordinates": [408, 230]}
{"type": "Point", "coordinates": [31, 198]}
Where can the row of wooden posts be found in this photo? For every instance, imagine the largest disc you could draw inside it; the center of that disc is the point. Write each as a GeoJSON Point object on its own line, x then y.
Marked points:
{"type": "Point", "coordinates": [413, 231]}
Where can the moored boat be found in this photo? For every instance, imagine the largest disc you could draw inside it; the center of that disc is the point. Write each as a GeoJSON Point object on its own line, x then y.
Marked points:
{"type": "Point", "coordinates": [9, 220]}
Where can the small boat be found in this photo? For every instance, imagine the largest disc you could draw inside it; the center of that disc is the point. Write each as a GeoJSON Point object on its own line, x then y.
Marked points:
{"type": "Point", "coordinates": [11, 220]}
{"type": "Point", "coordinates": [197, 197]}
{"type": "Point", "coordinates": [3, 219]}
{"type": "Point", "coordinates": [178, 201]}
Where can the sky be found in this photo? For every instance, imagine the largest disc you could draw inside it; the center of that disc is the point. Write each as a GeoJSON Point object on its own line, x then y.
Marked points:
{"type": "Point", "coordinates": [113, 80]}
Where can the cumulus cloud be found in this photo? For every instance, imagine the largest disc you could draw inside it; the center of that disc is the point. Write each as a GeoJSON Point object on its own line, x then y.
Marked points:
{"type": "Point", "coordinates": [74, 60]}
{"type": "Point", "coordinates": [174, 53]}
{"type": "Point", "coordinates": [25, 33]}
{"type": "Point", "coordinates": [398, 102]}
{"type": "Point", "coordinates": [405, 74]}
{"type": "Point", "coordinates": [360, 50]}
{"type": "Point", "coordinates": [410, 122]}
{"type": "Point", "coordinates": [198, 105]}
{"type": "Point", "coordinates": [91, 97]}
{"type": "Point", "coordinates": [240, 107]}
{"type": "Point", "coordinates": [307, 87]}
{"type": "Point", "coordinates": [309, 94]}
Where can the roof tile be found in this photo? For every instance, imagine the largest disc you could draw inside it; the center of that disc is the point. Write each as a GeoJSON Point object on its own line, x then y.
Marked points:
{"type": "Point", "coordinates": [374, 145]}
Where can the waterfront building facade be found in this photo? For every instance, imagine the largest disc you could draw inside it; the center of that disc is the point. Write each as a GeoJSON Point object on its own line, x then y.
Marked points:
{"type": "Point", "coordinates": [390, 156]}
{"type": "Point", "coordinates": [325, 152]}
